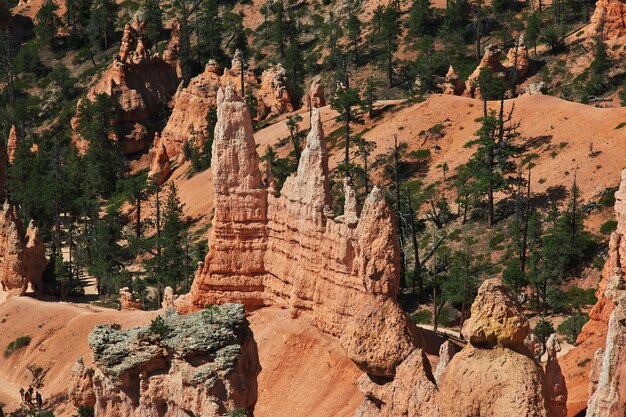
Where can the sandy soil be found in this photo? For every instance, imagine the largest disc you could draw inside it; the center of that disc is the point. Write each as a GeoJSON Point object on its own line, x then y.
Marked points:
{"type": "Point", "coordinates": [305, 373]}
{"type": "Point", "coordinates": [59, 336]}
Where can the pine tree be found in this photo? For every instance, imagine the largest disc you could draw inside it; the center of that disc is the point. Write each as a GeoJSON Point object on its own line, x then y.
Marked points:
{"type": "Point", "coordinates": [210, 33]}
{"type": "Point", "coordinates": [353, 35]}
{"type": "Point", "coordinates": [344, 101]}
{"type": "Point", "coordinates": [420, 18]}
{"type": "Point", "coordinates": [533, 30]}
{"type": "Point", "coordinates": [385, 37]}
{"type": "Point", "coordinates": [102, 19]}
{"type": "Point", "coordinates": [153, 20]}
{"type": "Point", "coordinates": [104, 160]}
{"type": "Point", "coordinates": [48, 23]}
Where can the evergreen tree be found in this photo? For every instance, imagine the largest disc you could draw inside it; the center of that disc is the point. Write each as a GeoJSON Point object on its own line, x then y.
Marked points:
{"type": "Point", "coordinates": [153, 20]}
{"type": "Point", "coordinates": [385, 36]}
{"type": "Point", "coordinates": [295, 71]}
{"type": "Point", "coordinates": [533, 30]}
{"type": "Point", "coordinates": [48, 23]}
{"type": "Point", "coordinates": [104, 160]}
{"type": "Point", "coordinates": [353, 35]}
{"type": "Point", "coordinates": [210, 33]}
{"type": "Point", "coordinates": [344, 101]}
{"type": "Point", "coordinates": [491, 165]}
{"type": "Point", "coordinates": [102, 19]}
{"type": "Point", "coordinates": [420, 19]}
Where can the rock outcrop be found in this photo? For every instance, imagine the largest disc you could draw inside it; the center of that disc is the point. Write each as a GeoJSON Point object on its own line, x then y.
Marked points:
{"type": "Point", "coordinates": [80, 388]}
{"type": "Point", "coordinates": [555, 381]}
{"type": "Point", "coordinates": [289, 250]}
{"type": "Point", "coordinates": [140, 85]}
{"type": "Point", "coordinates": [608, 20]}
{"type": "Point", "coordinates": [515, 68]}
{"type": "Point", "coordinates": [608, 376]}
{"type": "Point", "coordinates": [452, 83]}
{"type": "Point", "coordinates": [160, 167]}
{"type": "Point", "coordinates": [447, 350]}
{"type": "Point", "coordinates": [500, 376]}
{"type": "Point", "coordinates": [22, 254]}
{"type": "Point", "coordinates": [315, 97]}
{"type": "Point", "coordinates": [412, 393]}
{"type": "Point", "coordinates": [12, 143]}
{"type": "Point", "coordinates": [273, 96]}
{"type": "Point", "coordinates": [192, 104]}
{"type": "Point", "coordinates": [128, 302]}
{"type": "Point", "coordinates": [200, 364]}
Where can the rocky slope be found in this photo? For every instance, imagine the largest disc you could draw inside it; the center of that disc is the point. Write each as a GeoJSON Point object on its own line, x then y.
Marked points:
{"type": "Point", "coordinates": [203, 363]}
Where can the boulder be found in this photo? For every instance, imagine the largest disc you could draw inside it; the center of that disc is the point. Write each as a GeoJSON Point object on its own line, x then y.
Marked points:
{"type": "Point", "coordinates": [496, 319]}
{"type": "Point", "coordinates": [380, 337]}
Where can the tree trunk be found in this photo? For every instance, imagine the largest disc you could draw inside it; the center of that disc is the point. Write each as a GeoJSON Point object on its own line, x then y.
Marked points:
{"type": "Point", "coordinates": [138, 220]}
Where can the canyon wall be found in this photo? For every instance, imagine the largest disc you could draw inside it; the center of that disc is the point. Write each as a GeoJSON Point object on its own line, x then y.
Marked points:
{"type": "Point", "coordinates": [290, 250]}
{"type": "Point", "coordinates": [608, 317]}
{"type": "Point", "coordinates": [200, 364]}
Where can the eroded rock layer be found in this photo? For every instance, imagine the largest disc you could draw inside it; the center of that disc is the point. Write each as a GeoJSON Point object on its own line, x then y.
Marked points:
{"type": "Point", "coordinates": [289, 250]}
{"type": "Point", "coordinates": [608, 376]}
{"type": "Point", "coordinates": [200, 364]}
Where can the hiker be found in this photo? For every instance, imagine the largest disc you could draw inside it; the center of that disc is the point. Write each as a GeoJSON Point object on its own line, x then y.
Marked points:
{"type": "Point", "coordinates": [39, 401]}
{"type": "Point", "coordinates": [22, 393]}
{"type": "Point", "coordinates": [28, 398]}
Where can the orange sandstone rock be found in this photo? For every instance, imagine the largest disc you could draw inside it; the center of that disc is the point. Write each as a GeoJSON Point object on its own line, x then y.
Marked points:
{"type": "Point", "coordinates": [608, 20]}
{"type": "Point", "coordinates": [287, 250]}
{"type": "Point", "coordinates": [160, 167]}
{"type": "Point", "coordinates": [12, 143]}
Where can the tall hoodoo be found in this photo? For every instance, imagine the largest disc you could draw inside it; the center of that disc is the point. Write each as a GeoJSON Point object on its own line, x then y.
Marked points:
{"type": "Point", "coordinates": [12, 144]}
{"type": "Point", "coordinates": [288, 250]}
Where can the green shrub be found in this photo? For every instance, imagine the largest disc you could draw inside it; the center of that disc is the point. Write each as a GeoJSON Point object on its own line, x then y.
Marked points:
{"type": "Point", "coordinates": [84, 411]}
{"type": "Point", "coordinates": [584, 362]}
{"type": "Point", "coordinates": [608, 227]}
{"type": "Point", "coordinates": [572, 327]}
{"type": "Point", "coordinates": [543, 330]}
{"type": "Point", "coordinates": [422, 317]}
{"type": "Point", "coordinates": [17, 344]}
{"type": "Point", "coordinates": [158, 327]}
